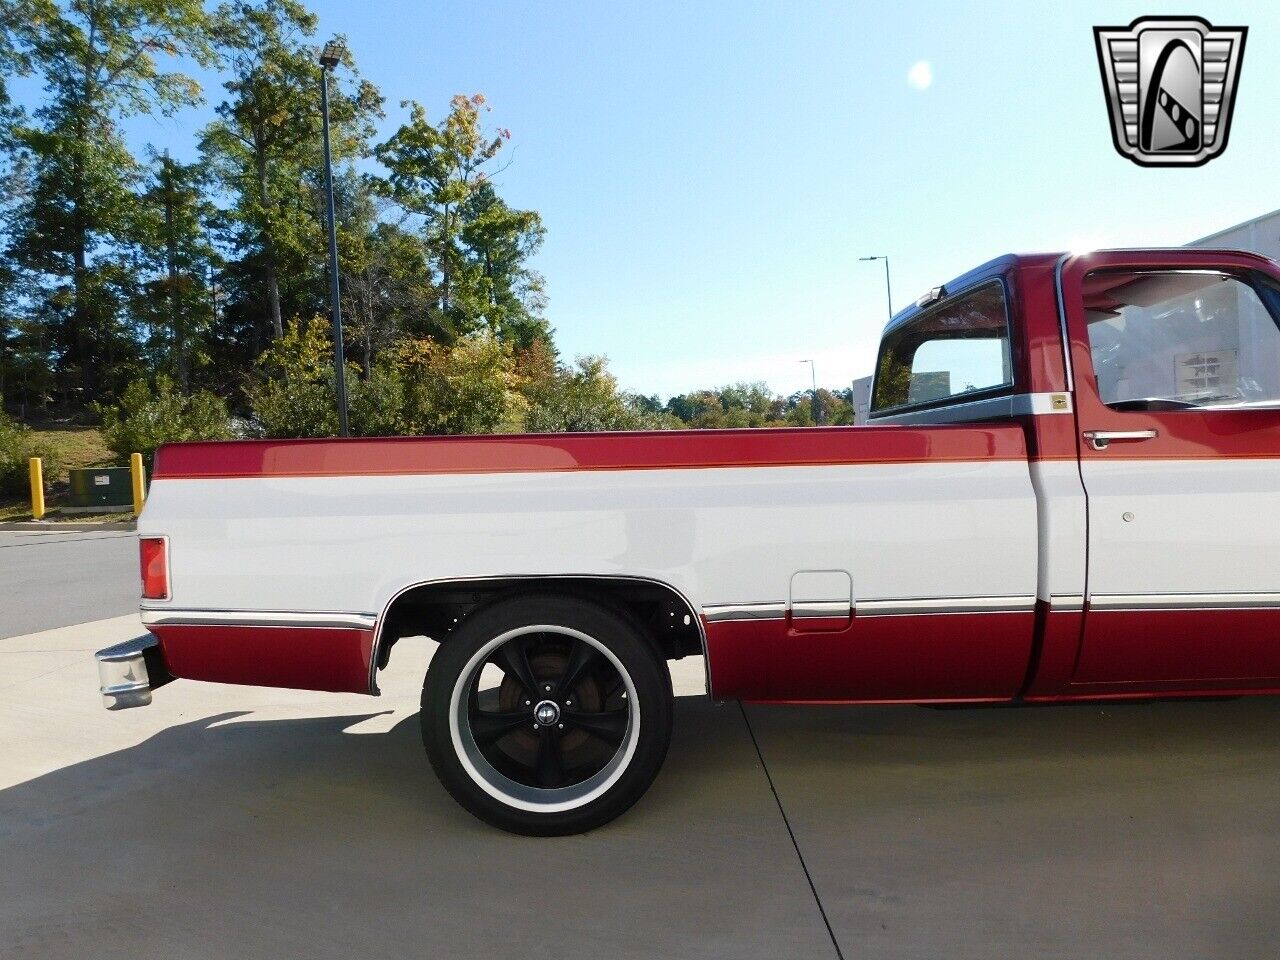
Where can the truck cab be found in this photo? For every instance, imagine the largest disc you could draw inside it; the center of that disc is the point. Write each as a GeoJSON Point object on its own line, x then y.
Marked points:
{"type": "Point", "coordinates": [1148, 386]}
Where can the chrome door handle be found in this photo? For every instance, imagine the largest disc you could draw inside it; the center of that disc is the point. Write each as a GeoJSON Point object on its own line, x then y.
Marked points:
{"type": "Point", "coordinates": [1101, 439]}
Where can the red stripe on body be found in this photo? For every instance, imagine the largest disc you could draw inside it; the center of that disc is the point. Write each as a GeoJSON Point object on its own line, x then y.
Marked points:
{"type": "Point", "coordinates": [656, 450]}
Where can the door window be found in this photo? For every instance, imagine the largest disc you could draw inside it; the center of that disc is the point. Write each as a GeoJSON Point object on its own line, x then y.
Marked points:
{"type": "Point", "coordinates": [1183, 339]}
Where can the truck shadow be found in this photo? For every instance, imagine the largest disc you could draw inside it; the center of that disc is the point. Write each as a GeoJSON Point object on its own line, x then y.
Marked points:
{"type": "Point", "coordinates": [283, 838]}
{"type": "Point", "coordinates": [229, 836]}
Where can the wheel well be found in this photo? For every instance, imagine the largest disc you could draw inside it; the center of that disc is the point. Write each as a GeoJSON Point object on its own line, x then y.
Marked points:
{"type": "Point", "coordinates": [435, 609]}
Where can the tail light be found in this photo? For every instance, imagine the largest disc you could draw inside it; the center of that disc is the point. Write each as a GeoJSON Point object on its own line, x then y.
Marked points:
{"type": "Point", "coordinates": [154, 554]}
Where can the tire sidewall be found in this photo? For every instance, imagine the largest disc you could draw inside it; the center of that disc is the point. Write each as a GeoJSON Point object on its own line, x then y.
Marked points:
{"type": "Point", "coordinates": [612, 628]}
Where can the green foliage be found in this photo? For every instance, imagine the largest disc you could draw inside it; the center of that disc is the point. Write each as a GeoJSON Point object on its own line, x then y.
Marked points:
{"type": "Point", "coordinates": [465, 387]}
{"type": "Point", "coordinates": [480, 247]}
{"type": "Point", "coordinates": [264, 149]}
{"type": "Point", "coordinates": [584, 397]}
{"type": "Point", "coordinates": [387, 285]}
{"type": "Point", "coordinates": [99, 62]}
{"type": "Point", "coordinates": [146, 418]}
{"type": "Point", "coordinates": [16, 448]}
{"type": "Point", "coordinates": [291, 392]}
{"type": "Point", "coordinates": [174, 303]}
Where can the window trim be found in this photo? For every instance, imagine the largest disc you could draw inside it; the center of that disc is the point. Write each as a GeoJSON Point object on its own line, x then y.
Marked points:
{"type": "Point", "coordinates": [956, 399]}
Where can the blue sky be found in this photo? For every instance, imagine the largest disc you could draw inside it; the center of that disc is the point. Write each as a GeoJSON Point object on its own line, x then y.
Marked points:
{"type": "Point", "coordinates": [710, 172]}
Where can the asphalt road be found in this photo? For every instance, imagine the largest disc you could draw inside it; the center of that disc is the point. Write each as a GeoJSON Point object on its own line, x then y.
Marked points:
{"type": "Point", "coordinates": [246, 822]}
{"type": "Point", "coordinates": [56, 579]}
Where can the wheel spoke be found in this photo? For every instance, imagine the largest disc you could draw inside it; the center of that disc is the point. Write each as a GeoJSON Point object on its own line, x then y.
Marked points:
{"type": "Point", "coordinates": [488, 728]}
{"type": "Point", "coordinates": [550, 761]}
{"type": "Point", "coordinates": [583, 657]}
{"type": "Point", "coordinates": [614, 686]}
{"type": "Point", "coordinates": [514, 661]}
{"type": "Point", "coordinates": [610, 726]}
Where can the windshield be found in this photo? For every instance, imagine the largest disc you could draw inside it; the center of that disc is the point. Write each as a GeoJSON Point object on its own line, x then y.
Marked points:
{"type": "Point", "coordinates": [1185, 339]}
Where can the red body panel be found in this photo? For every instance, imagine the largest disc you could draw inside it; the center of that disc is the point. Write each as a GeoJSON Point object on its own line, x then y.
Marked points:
{"type": "Point", "coordinates": [937, 656]}
{"type": "Point", "coordinates": [1205, 647]}
{"type": "Point", "coordinates": [304, 658]}
{"type": "Point", "coordinates": [672, 449]}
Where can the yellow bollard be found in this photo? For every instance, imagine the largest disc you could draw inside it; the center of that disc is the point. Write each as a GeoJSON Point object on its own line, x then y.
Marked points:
{"type": "Point", "coordinates": [36, 467]}
{"type": "Point", "coordinates": [139, 474]}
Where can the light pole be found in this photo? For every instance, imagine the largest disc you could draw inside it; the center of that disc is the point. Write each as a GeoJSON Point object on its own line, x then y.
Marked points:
{"type": "Point", "coordinates": [329, 58]}
{"type": "Point", "coordinates": [888, 292]}
{"type": "Point", "coordinates": [817, 404]}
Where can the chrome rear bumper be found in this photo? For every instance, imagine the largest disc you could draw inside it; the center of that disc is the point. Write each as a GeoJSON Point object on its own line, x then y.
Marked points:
{"type": "Point", "coordinates": [129, 671]}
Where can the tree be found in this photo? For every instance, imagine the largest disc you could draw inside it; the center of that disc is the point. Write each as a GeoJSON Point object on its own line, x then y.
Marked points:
{"type": "Point", "coordinates": [386, 278]}
{"type": "Point", "coordinates": [465, 387]}
{"type": "Point", "coordinates": [265, 147]}
{"type": "Point", "coordinates": [146, 418]}
{"type": "Point", "coordinates": [441, 174]}
{"type": "Point", "coordinates": [291, 390]}
{"type": "Point", "coordinates": [100, 60]}
{"type": "Point", "coordinates": [585, 397]}
{"type": "Point", "coordinates": [175, 304]}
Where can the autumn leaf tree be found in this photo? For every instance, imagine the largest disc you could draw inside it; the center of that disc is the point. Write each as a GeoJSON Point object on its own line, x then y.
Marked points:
{"type": "Point", "coordinates": [442, 176]}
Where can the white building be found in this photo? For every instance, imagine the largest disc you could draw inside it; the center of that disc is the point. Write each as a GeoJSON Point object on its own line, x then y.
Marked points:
{"type": "Point", "coordinates": [861, 400]}
{"type": "Point", "coordinates": [1259, 235]}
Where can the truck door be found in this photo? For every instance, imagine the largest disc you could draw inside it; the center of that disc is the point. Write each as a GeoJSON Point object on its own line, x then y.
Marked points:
{"type": "Point", "coordinates": [1176, 366]}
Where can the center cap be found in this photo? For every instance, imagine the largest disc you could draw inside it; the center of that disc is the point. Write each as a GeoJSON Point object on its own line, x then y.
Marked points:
{"type": "Point", "coordinates": [546, 712]}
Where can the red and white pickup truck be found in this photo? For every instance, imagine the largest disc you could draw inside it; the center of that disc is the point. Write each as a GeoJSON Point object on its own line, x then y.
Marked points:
{"type": "Point", "coordinates": [1070, 490]}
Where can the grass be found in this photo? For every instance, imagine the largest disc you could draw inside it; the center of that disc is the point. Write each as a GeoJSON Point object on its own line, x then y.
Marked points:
{"type": "Point", "coordinates": [71, 446]}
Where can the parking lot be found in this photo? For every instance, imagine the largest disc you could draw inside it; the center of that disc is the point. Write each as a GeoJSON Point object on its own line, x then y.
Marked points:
{"type": "Point", "coordinates": [252, 822]}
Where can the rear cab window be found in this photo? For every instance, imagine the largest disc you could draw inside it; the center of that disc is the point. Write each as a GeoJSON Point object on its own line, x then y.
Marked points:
{"type": "Point", "coordinates": [955, 352]}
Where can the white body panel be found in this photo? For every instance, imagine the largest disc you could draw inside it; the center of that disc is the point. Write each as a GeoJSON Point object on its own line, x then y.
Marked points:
{"type": "Point", "coordinates": [1062, 532]}
{"type": "Point", "coordinates": [718, 535]}
{"type": "Point", "coordinates": [1196, 527]}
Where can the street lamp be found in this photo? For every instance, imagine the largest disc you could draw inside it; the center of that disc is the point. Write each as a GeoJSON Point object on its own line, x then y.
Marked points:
{"type": "Point", "coordinates": [888, 293]}
{"type": "Point", "coordinates": [330, 56]}
{"type": "Point", "coordinates": [817, 403]}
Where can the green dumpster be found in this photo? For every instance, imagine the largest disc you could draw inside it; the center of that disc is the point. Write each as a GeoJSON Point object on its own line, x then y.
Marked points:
{"type": "Point", "coordinates": [105, 490]}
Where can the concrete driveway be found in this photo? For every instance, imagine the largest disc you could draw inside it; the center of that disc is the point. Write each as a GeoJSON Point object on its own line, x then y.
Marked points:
{"type": "Point", "coordinates": [255, 823]}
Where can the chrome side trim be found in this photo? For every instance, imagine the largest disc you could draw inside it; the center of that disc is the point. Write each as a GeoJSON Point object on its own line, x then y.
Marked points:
{"type": "Point", "coordinates": [908, 607]}
{"type": "Point", "coordinates": [1066, 602]}
{"type": "Point", "coordinates": [258, 618]}
{"type": "Point", "coordinates": [821, 609]}
{"type": "Point", "coordinates": [512, 578]}
{"type": "Point", "coordinates": [869, 608]}
{"type": "Point", "coordinates": [1184, 601]}
{"type": "Point", "coordinates": [747, 611]}
{"type": "Point", "coordinates": [992, 408]}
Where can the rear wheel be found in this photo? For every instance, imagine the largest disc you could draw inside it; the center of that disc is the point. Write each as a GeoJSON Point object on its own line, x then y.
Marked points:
{"type": "Point", "coordinates": [546, 715]}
